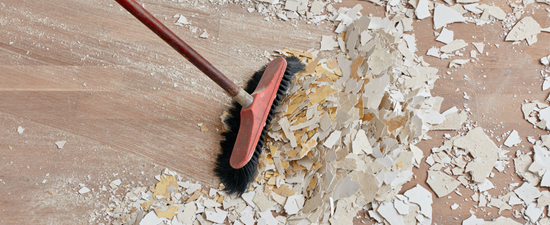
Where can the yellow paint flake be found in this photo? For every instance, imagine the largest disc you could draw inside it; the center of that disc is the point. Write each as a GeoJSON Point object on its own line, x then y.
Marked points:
{"type": "Point", "coordinates": [311, 66]}
{"type": "Point", "coordinates": [147, 204]}
{"type": "Point", "coordinates": [359, 105]}
{"type": "Point", "coordinates": [297, 167]}
{"type": "Point", "coordinates": [161, 188]}
{"type": "Point", "coordinates": [298, 53]}
{"type": "Point", "coordinates": [272, 180]}
{"type": "Point", "coordinates": [332, 64]}
{"type": "Point", "coordinates": [319, 71]}
{"type": "Point", "coordinates": [284, 191]}
{"type": "Point", "coordinates": [204, 128]}
{"type": "Point", "coordinates": [272, 149]}
{"type": "Point", "coordinates": [51, 192]}
{"type": "Point", "coordinates": [298, 135]}
{"type": "Point", "coordinates": [291, 153]}
{"type": "Point", "coordinates": [269, 159]}
{"type": "Point", "coordinates": [220, 199]}
{"type": "Point", "coordinates": [195, 196]}
{"type": "Point", "coordinates": [307, 146]}
{"type": "Point", "coordinates": [338, 71]}
{"type": "Point", "coordinates": [169, 213]}
{"type": "Point", "coordinates": [296, 100]}
{"type": "Point", "coordinates": [325, 79]}
{"type": "Point", "coordinates": [400, 164]}
{"type": "Point", "coordinates": [312, 184]}
{"type": "Point", "coordinates": [396, 122]}
{"type": "Point", "coordinates": [301, 118]}
{"type": "Point", "coordinates": [355, 67]}
{"type": "Point", "coordinates": [316, 166]}
{"type": "Point", "coordinates": [332, 112]}
{"type": "Point", "coordinates": [368, 116]}
{"type": "Point", "coordinates": [321, 94]}
{"type": "Point", "coordinates": [285, 164]}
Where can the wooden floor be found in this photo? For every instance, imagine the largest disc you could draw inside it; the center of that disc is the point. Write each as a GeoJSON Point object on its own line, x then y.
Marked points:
{"type": "Point", "coordinates": [128, 106]}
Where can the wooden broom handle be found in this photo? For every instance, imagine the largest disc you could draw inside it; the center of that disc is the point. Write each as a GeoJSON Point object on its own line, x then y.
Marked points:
{"type": "Point", "coordinates": [179, 45]}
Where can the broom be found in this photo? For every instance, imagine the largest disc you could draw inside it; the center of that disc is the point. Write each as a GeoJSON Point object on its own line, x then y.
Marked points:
{"type": "Point", "coordinates": [250, 115]}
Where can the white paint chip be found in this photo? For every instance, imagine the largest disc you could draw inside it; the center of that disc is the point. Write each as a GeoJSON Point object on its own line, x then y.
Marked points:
{"type": "Point", "coordinates": [454, 46]}
{"type": "Point", "coordinates": [473, 8]}
{"type": "Point", "coordinates": [513, 139]}
{"type": "Point", "coordinates": [285, 125]}
{"type": "Point", "coordinates": [433, 51]}
{"type": "Point", "coordinates": [441, 183]}
{"type": "Point", "coordinates": [151, 219]}
{"type": "Point", "coordinates": [422, 11]}
{"type": "Point", "coordinates": [485, 186]}
{"type": "Point", "coordinates": [527, 192]}
{"type": "Point", "coordinates": [446, 36]}
{"type": "Point", "coordinates": [417, 153]}
{"type": "Point", "coordinates": [182, 21]}
{"type": "Point", "coordinates": [389, 213]}
{"type": "Point", "coordinates": [514, 201]}
{"type": "Point", "coordinates": [401, 207]}
{"type": "Point", "coordinates": [294, 204]}
{"type": "Point", "coordinates": [493, 11]}
{"type": "Point", "coordinates": [479, 46]}
{"type": "Point", "coordinates": [268, 217]}
{"type": "Point", "coordinates": [533, 212]}
{"type": "Point", "coordinates": [484, 151]}
{"type": "Point", "coordinates": [444, 15]}
{"type": "Point", "coordinates": [204, 34]}
{"type": "Point", "coordinates": [60, 144]}
{"type": "Point", "coordinates": [331, 140]}
{"type": "Point", "coordinates": [454, 206]}
{"type": "Point", "coordinates": [525, 28]}
{"type": "Point", "coordinates": [115, 183]}
{"type": "Point", "coordinates": [217, 216]}
{"type": "Point", "coordinates": [422, 197]}
{"type": "Point", "coordinates": [84, 190]}
{"type": "Point", "coordinates": [361, 143]}
{"type": "Point", "coordinates": [248, 198]}
{"type": "Point", "coordinates": [20, 130]}
{"type": "Point", "coordinates": [546, 83]}
{"type": "Point", "coordinates": [346, 188]}
{"type": "Point", "coordinates": [328, 43]}
{"type": "Point", "coordinates": [545, 182]}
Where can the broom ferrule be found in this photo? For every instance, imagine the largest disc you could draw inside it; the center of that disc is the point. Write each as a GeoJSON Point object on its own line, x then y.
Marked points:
{"type": "Point", "coordinates": [243, 98]}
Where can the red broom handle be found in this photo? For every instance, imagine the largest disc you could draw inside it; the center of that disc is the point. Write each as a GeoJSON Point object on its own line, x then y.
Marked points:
{"type": "Point", "coordinates": [179, 45]}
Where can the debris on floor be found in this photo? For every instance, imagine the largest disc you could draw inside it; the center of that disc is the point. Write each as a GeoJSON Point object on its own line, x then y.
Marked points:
{"type": "Point", "coordinates": [344, 138]}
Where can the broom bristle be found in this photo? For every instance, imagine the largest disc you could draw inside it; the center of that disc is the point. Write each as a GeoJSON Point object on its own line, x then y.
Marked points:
{"type": "Point", "coordinates": [236, 181]}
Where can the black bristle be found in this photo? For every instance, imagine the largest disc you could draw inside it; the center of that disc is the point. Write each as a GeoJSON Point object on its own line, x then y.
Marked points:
{"type": "Point", "coordinates": [236, 181]}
